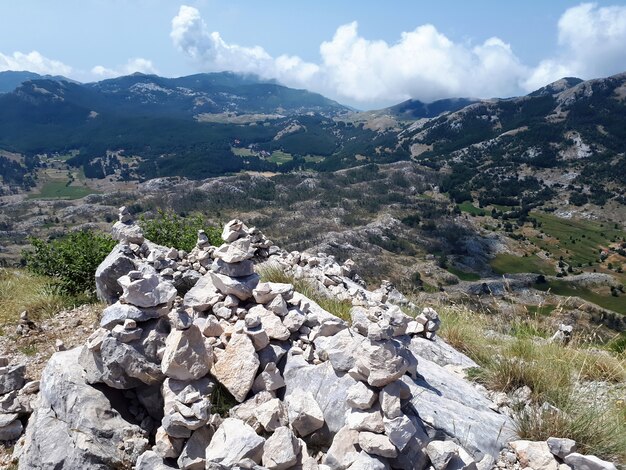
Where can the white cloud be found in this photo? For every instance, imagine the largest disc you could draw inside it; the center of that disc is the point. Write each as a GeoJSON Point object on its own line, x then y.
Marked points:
{"type": "Point", "coordinates": [423, 64]}
{"type": "Point", "coordinates": [137, 64]}
{"type": "Point", "coordinates": [592, 43]}
{"type": "Point", "coordinates": [191, 35]}
{"type": "Point", "coordinates": [33, 62]}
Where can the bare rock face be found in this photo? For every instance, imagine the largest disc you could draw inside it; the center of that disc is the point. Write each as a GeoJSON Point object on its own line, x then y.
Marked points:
{"type": "Point", "coordinates": [237, 367]}
{"type": "Point", "coordinates": [74, 426]}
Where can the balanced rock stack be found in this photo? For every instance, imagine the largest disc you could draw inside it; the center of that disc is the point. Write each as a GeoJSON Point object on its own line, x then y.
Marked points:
{"type": "Point", "coordinates": [15, 399]}
{"type": "Point", "coordinates": [310, 390]}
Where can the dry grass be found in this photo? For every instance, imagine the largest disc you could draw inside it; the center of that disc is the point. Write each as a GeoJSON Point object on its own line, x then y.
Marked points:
{"type": "Point", "coordinates": [339, 308]}
{"type": "Point", "coordinates": [23, 291]}
{"type": "Point", "coordinates": [552, 371]}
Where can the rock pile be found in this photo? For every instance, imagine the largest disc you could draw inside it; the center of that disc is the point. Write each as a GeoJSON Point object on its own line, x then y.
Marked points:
{"type": "Point", "coordinates": [185, 331]}
{"type": "Point", "coordinates": [15, 399]}
{"type": "Point", "coordinates": [553, 454]}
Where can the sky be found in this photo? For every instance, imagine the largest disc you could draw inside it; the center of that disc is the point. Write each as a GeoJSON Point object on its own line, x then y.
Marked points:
{"type": "Point", "coordinates": [364, 53]}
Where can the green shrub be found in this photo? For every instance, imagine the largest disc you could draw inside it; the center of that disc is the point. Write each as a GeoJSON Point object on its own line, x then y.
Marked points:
{"type": "Point", "coordinates": [170, 229]}
{"type": "Point", "coordinates": [70, 261]}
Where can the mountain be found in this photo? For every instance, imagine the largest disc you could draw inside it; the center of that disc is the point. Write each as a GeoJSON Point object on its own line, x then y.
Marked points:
{"type": "Point", "coordinates": [566, 139]}
{"type": "Point", "coordinates": [10, 80]}
{"type": "Point", "coordinates": [415, 109]}
{"type": "Point", "coordinates": [569, 134]}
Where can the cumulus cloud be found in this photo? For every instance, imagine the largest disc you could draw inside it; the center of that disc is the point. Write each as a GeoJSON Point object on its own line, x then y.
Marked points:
{"type": "Point", "coordinates": [422, 64]}
{"type": "Point", "coordinates": [191, 35]}
{"type": "Point", "coordinates": [33, 62]}
{"type": "Point", "coordinates": [592, 43]}
{"type": "Point", "coordinates": [137, 64]}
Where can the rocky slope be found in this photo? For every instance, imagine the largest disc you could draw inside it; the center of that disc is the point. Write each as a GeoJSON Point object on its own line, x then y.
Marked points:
{"type": "Point", "coordinates": [188, 335]}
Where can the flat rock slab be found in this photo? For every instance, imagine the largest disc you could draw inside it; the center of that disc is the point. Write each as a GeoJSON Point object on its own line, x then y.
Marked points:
{"type": "Point", "coordinates": [448, 403]}
{"type": "Point", "coordinates": [328, 387]}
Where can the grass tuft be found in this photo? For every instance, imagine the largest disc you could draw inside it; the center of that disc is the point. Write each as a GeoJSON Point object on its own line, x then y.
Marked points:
{"type": "Point", "coordinates": [339, 308]}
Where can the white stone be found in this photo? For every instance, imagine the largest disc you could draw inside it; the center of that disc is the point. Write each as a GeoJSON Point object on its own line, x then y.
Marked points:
{"type": "Point", "coordinates": [281, 449]}
{"type": "Point", "coordinates": [377, 444]}
{"type": "Point", "coordinates": [233, 442]}
{"type": "Point", "coordinates": [237, 367]}
{"type": "Point", "coordinates": [304, 413]}
{"type": "Point", "coordinates": [186, 356]}
{"type": "Point", "coordinates": [360, 396]}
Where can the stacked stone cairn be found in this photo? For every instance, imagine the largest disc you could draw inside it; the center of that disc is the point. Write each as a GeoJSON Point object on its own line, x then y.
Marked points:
{"type": "Point", "coordinates": [312, 391]}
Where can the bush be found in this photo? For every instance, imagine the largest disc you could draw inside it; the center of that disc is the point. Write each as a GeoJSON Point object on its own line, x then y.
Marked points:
{"type": "Point", "coordinates": [170, 229]}
{"type": "Point", "coordinates": [70, 261]}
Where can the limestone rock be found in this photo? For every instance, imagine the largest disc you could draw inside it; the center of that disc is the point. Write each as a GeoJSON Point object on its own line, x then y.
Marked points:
{"type": "Point", "coordinates": [193, 456]}
{"type": "Point", "coordinates": [240, 287]}
{"type": "Point", "coordinates": [186, 357]}
{"type": "Point", "coordinates": [203, 295]}
{"type": "Point", "coordinates": [365, 461]}
{"type": "Point", "coordinates": [360, 396]}
{"type": "Point", "coordinates": [588, 462]}
{"type": "Point", "coordinates": [380, 362]}
{"type": "Point", "coordinates": [305, 415]}
{"type": "Point", "coordinates": [561, 447]}
{"type": "Point", "coordinates": [74, 425]}
{"type": "Point", "coordinates": [150, 460]}
{"type": "Point", "coordinates": [118, 313]}
{"type": "Point", "coordinates": [233, 442]}
{"type": "Point", "coordinates": [281, 449]}
{"type": "Point", "coordinates": [114, 266]}
{"type": "Point", "coordinates": [271, 415]}
{"type": "Point", "coordinates": [145, 289]}
{"type": "Point", "coordinates": [237, 367]}
{"type": "Point", "coordinates": [11, 430]}
{"type": "Point", "coordinates": [344, 449]}
{"type": "Point", "coordinates": [377, 444]}
{"type": "Point", "coordinates": [11, 378]}
{"type": "Point", "coordinates": [534, 454]}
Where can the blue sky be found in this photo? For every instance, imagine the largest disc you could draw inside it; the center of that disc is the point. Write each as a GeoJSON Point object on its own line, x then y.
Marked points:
{"type": "Point", "coordinates": [363, 53]}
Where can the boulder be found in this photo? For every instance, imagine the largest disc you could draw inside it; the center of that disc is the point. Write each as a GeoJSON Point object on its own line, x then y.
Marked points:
{"type": "Point", "coordinates": [344, 449]}
{"type": "Point", "coordinates": [150, 460]}
{"type": "Point", "coordinates": [233, 442]}
{"type": "Point", "coordinates": [74, 426]}
{"type": "Point", "coordinates": [329, 387]}
{"type": "Point", "coordinates": [450, 404]}
{"type": "Point", "coordinates": [360, 396]}
{"type": "Point", "coordinates": [380, 362]}
{"type": "Point", "coordinates": [271, 415]}
{"type": "Point", "coordinates": [12, 430]}
{"type": "Point", "coordinates": [145, 289]}
{"type": "Point", "coordinates": [241, 269]}
{"type": "Point", "coordinates": [365, 461]}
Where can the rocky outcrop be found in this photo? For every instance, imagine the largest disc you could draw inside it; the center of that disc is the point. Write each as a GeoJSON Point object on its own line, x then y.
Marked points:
{"type": "Point", "coordinates": [75, 425]}
{"type": "Point", "coordinates": [310, 390]}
